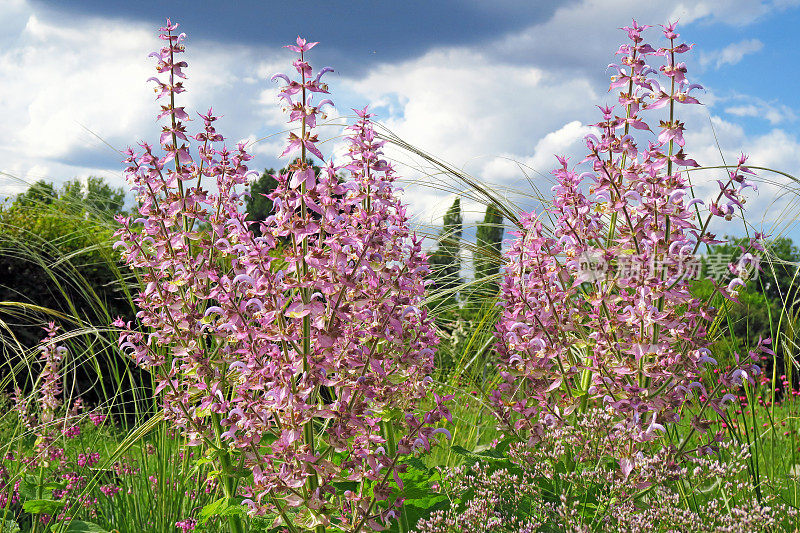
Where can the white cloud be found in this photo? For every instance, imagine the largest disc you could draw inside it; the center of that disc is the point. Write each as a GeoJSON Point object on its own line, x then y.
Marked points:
{"type": "Point", "coordinates": [581, 36]}
{"type": "Point", "coordinates": [500, 112]}
{"type": "Point", "coordinates": [503, 123]}
{"type": "Point", "coordinates": [733, 12]}
{"type": "Point", "coordinates": [70, 88]}
{"type": "Point", "coordinates": [773, 113]}
{"type": "Point", "coordinates": [61, 78]}
{"type": "Point", "coordinates": [468, 110]}
{"type": "Point", "coordinates": [771, 208]}
{"type": "Point", "coordinates": [731, 54]}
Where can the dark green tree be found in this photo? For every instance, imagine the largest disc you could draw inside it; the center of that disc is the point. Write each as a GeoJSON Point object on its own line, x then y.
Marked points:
{"type": "Point", "coordinates": [56, 252]}
{"type": "Point", "coordinates": [486, 257]}
{"type": "Point", "coordinates": [767, 306]}
{"type": "Point", "coordinates": [257, 205]}
{"type": "Point", "coordinates": [779, 265]}
{"type": "Point", "coordinates": [96, 198]}
{"type": "Point", "coordinates": [39, 193]}
{"type": "Point", "coordinates": [445, 261]}
{"type": "Point", "coordinates": [102, 198]}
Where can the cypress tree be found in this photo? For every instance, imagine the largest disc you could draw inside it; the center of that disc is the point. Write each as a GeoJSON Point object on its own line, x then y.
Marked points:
{"type": "Point", "coordinates": [488, 246]}
{"type": "Point", "coordinates": [445, 262]}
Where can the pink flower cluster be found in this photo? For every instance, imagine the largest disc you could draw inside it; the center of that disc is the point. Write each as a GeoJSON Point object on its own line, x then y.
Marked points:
{"type": "Point", "coordinates": [186, 525]}
{"type": "Point", "coordinates": [297, 353]}
{"type": "Point", "coordinates": [638, 343]}
{"type": "Point", "coordinates": [536, 491]}
{"type": "Point", "coordinates": [50, 379]}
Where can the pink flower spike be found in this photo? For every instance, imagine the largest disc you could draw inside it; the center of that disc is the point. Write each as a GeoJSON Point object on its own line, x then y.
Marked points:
{"type": "Point", "coordinates": [302, 45]}
{"type": "Point", "coordinates": [669, 30]}
{"type": "Point", "coordinates": [168, 27]}
{"type": "Point", "coordinates": [326, 303]}
{"type": "Point", "coordinates": [306, 176]}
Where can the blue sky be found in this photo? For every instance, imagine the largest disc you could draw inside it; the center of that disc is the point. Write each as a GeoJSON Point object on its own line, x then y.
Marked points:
{"type": "Point", "coordinates": [481, 84]}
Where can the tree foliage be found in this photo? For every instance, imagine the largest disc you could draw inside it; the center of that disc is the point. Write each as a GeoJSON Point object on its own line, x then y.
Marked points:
{"type": "Point", "coordinates": [56, 253]}
{"type": "Point", "coordinates": [257, 205]}
{"type": "Point", "coordinates": [445, 261]}
{"type": "Point", "coordinates": [487, 254]}
{"type": "Point", "coordinates": [95, 197]}
{"type": "Point", "coordinates": [779, 266]}
{"type": "Point", "coordinates": [767, 306]}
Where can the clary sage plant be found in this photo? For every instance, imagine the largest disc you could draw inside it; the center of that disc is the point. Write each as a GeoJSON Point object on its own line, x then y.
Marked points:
{"type": "Point", "coordinates": [299, 358]}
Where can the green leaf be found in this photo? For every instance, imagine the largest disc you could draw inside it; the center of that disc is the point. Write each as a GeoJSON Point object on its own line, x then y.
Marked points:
{"type": "Point", "coordinates": [219, 507]}
{"type": "Point", "coordinates": [42, 506]}
{"type": "Point", "coordinates": [54, 486]}
{"type": "Point", "coordinates": [488, 455]}
{"type": "Point", "coordinates": [234, 510]}
{"type": "Point", "coordinates": [204, 461]}
{"type": "Point", "coordinates": [392, 414]}
{"type": "Point", "coordinates": [27, 488]}
{"type": "Point", "coordinates": [416, 463]}
{"type": "Point", "coordinates": [212, 509]}
{"type": "Point", "coordinates": [414, 493]}
{"type": "Point", "coordinates": [79, 526]}
{"type": "Point", "coordinates": [342, 486]}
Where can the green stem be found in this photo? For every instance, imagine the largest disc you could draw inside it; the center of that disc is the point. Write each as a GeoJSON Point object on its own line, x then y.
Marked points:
{"type": "Point", "coordinates": [391, 449]}
{"type": "Point", "coordinates": [308, 428]}
{"type": "Point", "coordinates": [613, 225]}
{"type": "Point", "coordinates": [229, 477]}
{"type": "Point", "coordinates": [586, 380]}
{"type": "Point", "coordinates": [667, 222]}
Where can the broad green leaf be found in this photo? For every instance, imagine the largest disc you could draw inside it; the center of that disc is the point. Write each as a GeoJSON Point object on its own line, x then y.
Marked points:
{"type": "Point", "coordinates": [220, 507]}
{"type": "Point", "coordinates": [79, 526]}
{"type": "Point", "coordinates": [488, 455]}
{"type": "Point", "coordinates": [27, 488]}
{"type": "Point", "coordinates": [416, 463]}
{"type": "Point", "coordinates": [212, 509]}
{"type": "Point", "coordinates": [42, 506]}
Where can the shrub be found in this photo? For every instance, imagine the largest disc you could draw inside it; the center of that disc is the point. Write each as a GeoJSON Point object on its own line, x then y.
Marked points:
{"type": "Point", "coordinates": [56, 258]}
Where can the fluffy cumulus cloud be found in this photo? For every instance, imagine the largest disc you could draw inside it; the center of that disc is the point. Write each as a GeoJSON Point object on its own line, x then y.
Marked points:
{"type": "Point", "coordinates": [499, 110]}
{"type": "Point", "coordinates": [731, 54]}
{"type": "Point", "coordinates": [715, 141]}
{"type": "Point", "coordinates": [501, 116]}
{"type": "Point", "coordinates": [581, 36]}
{"type": "Point", "coordinates": [773, 113]}
{"type": "Point", "coordinates": [74, 94]}
{"type": "Point", "coordinates": [57, 80]}
{"type": "Point", "coordinates": [478, 115]}
{"type": "Point", "coordinates": [733, 12]}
